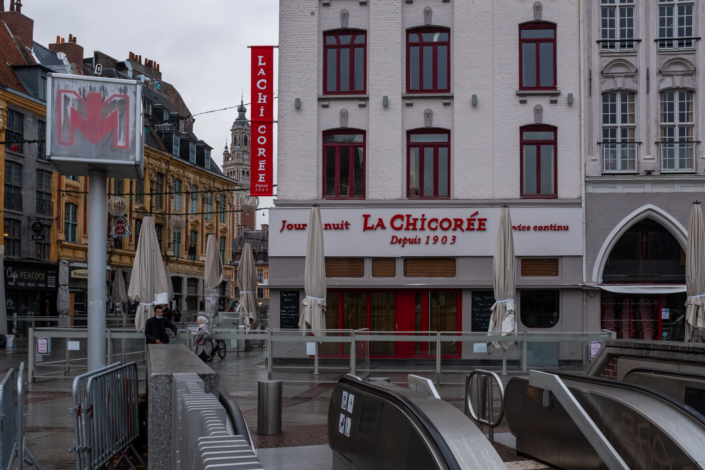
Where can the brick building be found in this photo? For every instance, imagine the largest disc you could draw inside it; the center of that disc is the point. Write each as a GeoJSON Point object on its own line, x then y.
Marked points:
{"type": "Point", "coordinates": [410, 124]}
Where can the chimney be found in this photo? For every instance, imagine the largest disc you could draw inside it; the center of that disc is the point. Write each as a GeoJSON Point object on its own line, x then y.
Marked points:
{"type": "Point", "coordinates": [265, 231]}
{"type": "Point", "coordinates": [21, 26]}
{"type": "Point", "coordinates": [73, 51]}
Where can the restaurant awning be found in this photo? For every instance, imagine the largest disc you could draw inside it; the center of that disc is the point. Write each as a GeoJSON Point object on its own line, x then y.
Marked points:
{"type": "Point", "coordinates": [645, 289]}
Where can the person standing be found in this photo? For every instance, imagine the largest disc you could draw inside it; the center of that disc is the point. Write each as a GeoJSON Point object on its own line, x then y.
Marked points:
{"type": "Point", "coordinates": [204, 344]}
{"type": "Point", "coordinates": [155, 328]}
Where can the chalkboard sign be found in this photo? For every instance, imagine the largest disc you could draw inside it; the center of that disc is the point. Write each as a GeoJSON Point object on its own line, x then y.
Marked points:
{"type": "Point", "coordinates": [289, 308]}
{"type": "Point", "coordinates": [482, 302]}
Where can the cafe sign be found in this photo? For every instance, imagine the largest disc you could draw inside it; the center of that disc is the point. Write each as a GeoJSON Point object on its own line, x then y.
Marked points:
{"type": "Point", "coordinates": [29, 278]}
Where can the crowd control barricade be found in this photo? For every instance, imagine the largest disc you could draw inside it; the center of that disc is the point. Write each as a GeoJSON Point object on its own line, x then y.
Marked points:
{"type": "Point", "coordinates": [7, 419]}
{"type": "Point", "coordinates": [106, 415]}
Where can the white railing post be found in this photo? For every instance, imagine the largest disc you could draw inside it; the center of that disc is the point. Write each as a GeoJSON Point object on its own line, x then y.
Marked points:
{"type": "Point", "coordinates": [31, 355]}
{"type": "Point", "coordinates": [524, 359]}
{"type": "Point", "coordinates": [353, 352]}
{"type": "Point", "coordinates": [438, 357]}
{"type": "Point", "coordinates": [315, 356]}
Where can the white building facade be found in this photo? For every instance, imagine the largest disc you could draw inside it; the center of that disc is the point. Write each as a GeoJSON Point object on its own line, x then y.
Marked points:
{"type": "Point", "coordinates": [411, 123]}
{"type": "Point", "coordinates": [644, 165]}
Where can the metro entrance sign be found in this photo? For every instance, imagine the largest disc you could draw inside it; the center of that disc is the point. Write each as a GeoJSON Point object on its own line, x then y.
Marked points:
{"type": "Point", "coordinates": [95, 124]}
{"type": "Point", "coordinates": [95, 130]}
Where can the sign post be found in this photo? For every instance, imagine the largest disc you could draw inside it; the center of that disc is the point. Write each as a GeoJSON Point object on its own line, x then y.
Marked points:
{"type": "Point", "coordinates": [95, 130]}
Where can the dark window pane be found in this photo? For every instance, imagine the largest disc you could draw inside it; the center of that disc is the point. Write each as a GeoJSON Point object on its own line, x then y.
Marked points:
{"type": "Point", "coordinates": [359, 68]}
{"type": "Point", "coordinates": [547, 169]}
{"type": "Point", "coordinates": [414, 172]}
{"type": "Point", "coordinates": [540, 308]}
{"type": "Point", "coordinates": [360, 39]}
{"type": "Point", "coordinates": [413, 38]}
{"type": "Point", "coordinates": [359, 171]}
{"type": "Point", "coordinates": [330, 171]}
{"type": "Point", "coordinates": [332, 68]}
{"type": "Point", "coordinates": [345, 39]}
{"type": "Point", "coordinates": [429, 138]}
{"type": "Point", "coordinates": [355, 138]}
{"type": "Point", "coordinates": [344, 171]}
{"type": "Point", "coordinates": [529, 64]}
{"type": "Point", "coordinates": [428, 68]}
{"type": "Point", "coordinates": [428, 172]}
{"type": "Point", "coordinates": [345, 69]}
{"type": "Point", "coordinates": [442, 67]}
{"type": "Point", "coordinates": [529, 169]}
{"type": "Point", "coordinates": [538, 136]}
{"type": "Point", "coordinates": [546, 55]}
{"type": "Point", "coordinates": [537, 34]}
{"type": "Point", "coordinates": [428, 37]}
{"type": "Point", "coordinates": [330, 40]}
{"type": "Point", "coordinates": [443, 172]}
{"type": "Point", "coordinates": [442, 36]}
{"type": "Point", "coordinates": [414, 67]}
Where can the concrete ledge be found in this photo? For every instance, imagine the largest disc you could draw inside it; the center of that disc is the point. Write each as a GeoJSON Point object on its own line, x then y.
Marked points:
{"type": "Point", "coordinates": [605, 364]}
{"type": "Point", "coordinates": [163, 361]}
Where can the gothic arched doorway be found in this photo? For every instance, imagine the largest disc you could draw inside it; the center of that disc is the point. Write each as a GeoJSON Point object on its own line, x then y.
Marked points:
{"type": "Point", "coordinates": [643, 284]}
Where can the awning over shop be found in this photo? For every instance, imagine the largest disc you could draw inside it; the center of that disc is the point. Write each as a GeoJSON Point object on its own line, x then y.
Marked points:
{"type": "Point", "coordinates": [645, 289]}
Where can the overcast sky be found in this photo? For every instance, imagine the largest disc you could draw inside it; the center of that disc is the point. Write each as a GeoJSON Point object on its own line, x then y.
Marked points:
{"type": "Point", "coordinates": [201, 46]}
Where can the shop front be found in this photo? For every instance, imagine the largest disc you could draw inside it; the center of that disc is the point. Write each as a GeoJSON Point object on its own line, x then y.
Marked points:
{"type": "Point", "coordinates": [419, 270]}
{"type": "Point", "coordinates": [30, 291]}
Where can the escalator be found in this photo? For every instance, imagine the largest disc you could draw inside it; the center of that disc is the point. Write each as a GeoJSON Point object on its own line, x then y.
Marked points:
{"type": "Point", "coordinates": [383, 426]}
{"type": "Point", "coordinates": [647, 428]}
{"type": "Point", "coordinates": [684, 387]}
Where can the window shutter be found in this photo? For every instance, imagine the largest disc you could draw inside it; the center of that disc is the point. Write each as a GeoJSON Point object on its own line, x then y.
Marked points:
{"type": "Point", "coordinates": [345, 267]}
{"type": "Point", "coordinates": [539, 267]}
{"type": "Point", "coordinates": [384, 267]}
{"type": "Point", "coordinates": [429, 267]}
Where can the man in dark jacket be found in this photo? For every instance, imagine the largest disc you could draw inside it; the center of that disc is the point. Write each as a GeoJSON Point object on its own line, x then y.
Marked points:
{"type": "Point", "coordinates": [155, 328]}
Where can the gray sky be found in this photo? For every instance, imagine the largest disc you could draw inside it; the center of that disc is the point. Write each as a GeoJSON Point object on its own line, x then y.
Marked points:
{"type": "Point", "coordinates": [201, 46]}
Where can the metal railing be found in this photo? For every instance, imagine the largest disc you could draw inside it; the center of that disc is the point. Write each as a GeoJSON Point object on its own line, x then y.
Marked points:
{"type": "Point", "coordinates": [677, 156]}
{"type": "Point", "coordinates": [619, 157]}
{"type": "Point", "coordinates": [484, 398]}
{"type": "Point", "coordinates": [106, 416]}
{"type": "Point", "coordinates": [7, 419]}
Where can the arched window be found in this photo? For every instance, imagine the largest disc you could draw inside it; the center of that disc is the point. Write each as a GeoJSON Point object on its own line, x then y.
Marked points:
{"type": "Point", "coordinates": [537, 56]}
{"type": "Point", "coordinates": [235, 140]}
{"type": "Point", "coordinates": [344, 58]}
{"type": "Point", "coordinates": [646, 253]}
{"type": "Point", "coordinates": [344, 163]}
{"type": "Point", "coordinates": [619, 131]}
{"type": "Point", "coordinates": [539, 161]}
{"type": "Point", "coordinates": [428, 163]}
{"type": "Point", "coordinates": [428, 60]}
{"type": "Point", "coordinates": [677, 123]}
{"type": "Point", "coordinates": [71, 222]}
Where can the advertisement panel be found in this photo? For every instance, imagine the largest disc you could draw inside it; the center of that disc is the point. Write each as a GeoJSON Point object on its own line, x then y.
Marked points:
{"type": "Point", "coordinates": [262, 148]}
{"type": "Point", "coordinates": [95, 123]}
{"type": "Point", "coordinates": [427, 231]}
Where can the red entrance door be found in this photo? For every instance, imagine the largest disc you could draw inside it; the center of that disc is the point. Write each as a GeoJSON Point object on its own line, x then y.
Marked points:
{"type": "Point", "coordinates": [409, 317]}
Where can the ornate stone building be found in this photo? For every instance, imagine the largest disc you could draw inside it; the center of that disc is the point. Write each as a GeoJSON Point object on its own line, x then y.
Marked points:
{"type": "Point", "coordinates": [236, 164]}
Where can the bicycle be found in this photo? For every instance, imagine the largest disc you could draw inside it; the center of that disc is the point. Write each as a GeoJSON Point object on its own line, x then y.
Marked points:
{"type": "Point", "coordinates": [218, 348]}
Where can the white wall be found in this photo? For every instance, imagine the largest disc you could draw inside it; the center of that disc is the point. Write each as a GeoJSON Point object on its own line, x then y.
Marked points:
{"type": "Point", "coordinates": [485, 139]}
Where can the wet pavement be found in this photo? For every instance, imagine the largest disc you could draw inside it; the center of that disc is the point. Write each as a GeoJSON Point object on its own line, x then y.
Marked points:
{"type": "Point", "coordinates": [305, 406]}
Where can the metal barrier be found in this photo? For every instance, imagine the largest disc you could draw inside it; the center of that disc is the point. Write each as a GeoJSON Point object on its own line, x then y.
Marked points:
{"type": "Point", "coordinates": [200, 436]}
{"type": "Point", "coordinates": [485, 399]}
{"type": "Point", "coordinates": [7, 419]}
{"type": "Point", "coordinates": [106, 415]}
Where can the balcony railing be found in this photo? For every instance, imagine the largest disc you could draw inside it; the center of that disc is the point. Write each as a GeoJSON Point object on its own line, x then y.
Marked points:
{"type": "Point", "coordinates": [44, 207]}
{"type": "Point", "coordinates": [619, 157]}
{"type": "Point", "coordinates": [677, 156]}
{"type": "Point", "coordinates": [683, 42]}
{"type": "Point", "coordinates": [13, 202]}
{"type": "Point", "coordinates": [625, 44]}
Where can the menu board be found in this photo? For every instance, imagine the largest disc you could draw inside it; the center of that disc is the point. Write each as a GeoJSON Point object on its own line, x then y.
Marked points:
{"type": "Point", "coordinates": [289, 308]}
{"type": "Point", "coordinates": [482, 302]}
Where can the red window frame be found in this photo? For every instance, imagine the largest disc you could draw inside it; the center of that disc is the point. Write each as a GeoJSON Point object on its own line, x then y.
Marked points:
{"type": "Point", "coordinates": [338, 47]}
{"type": "Point", "coordinates": [537, 26]}
{"type": "Point", "coordinates": [421, 146]}
{"type": "Point", "coordinates": [338, 145]}
{"type": "Point", "coordinates": [422, 44]}
{"type": "Point", "coordinates": [424, 319]}
{"type": "Point", "coordinates": [538, 143]}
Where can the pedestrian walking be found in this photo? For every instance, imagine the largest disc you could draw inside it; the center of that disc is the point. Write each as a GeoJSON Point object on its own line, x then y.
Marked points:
{"type": "Point", "coordinates": [155, 328]}
{"type": "Point", "coordinates": [204, 345]}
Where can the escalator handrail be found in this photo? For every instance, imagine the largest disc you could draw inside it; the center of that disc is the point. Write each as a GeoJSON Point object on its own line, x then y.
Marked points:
{"type": "Point", "coordinates": [665, 372]}
{"type": "Point", "coordinates": [638, 388]}
{"type": "Point", "coordinates": [403, 402]}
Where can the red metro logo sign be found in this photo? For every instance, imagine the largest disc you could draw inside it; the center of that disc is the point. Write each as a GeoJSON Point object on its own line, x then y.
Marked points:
{"type": "Point", "coordinates": [101, 118]}
{"type": "Point", "coordinates": [262, 148]}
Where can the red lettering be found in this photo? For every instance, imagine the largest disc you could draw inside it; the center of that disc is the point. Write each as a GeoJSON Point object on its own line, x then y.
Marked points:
{"type": "Point", "coordinates": [283, 226]}
{"type": "Point", "coordinates": [366, 227]}
{"type": "Point", "coordinates": [481, 224]}
{"type": "Point", "coordinates": [380, 224]}
{"type": "Point", "coordinates": [397, 217]}
{"type": "Point", "coordinates": [347, 225]}
{"type": "Point", "coordinates": [471, 224]}
{"type": "Point", "coordinates": [423, 221]}
{"type": "Point", "coordinates": [299, 226]}
{"type": "Point", "coordinates": [394, 240]}
{"type": "Point", "coordinates": [430, 222]}
{"type": "Point", "coordinates": [327, 227]}
{"type": "Point", "coordinates": [289, 226]}
{"type": "Point", "coordinates": [450, 224]}
{"type": "Point", "coordinates": [410, 223]}
{"type": "Point", "coordinates": [458, 224]}
{"type": "Point", "coordinates": [565, 227]}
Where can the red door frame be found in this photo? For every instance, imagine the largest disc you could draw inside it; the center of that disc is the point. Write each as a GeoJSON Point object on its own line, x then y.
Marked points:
{"type": "Point", "coordinates": [402, 351]}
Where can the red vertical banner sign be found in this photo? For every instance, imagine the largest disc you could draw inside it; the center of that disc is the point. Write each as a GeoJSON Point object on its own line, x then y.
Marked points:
{"type": "Point", "coordinates": [262, 106]}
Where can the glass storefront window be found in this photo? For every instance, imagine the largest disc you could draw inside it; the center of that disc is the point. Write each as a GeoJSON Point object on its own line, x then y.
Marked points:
{"type": "Point", "coordinates": [641, 316]}
{"type": "Point", "coordinates": [540, 308]}
{"type": "Point", "coordinates": [444, 317]}
{"type": "Point", "coordinates": [382, 319]}
{"type": "Point", "coordinates": [354, 313]}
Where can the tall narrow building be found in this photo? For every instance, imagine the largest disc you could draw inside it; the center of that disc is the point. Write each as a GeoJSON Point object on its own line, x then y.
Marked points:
{"type": "Point", "coordinates": [236, 165]}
